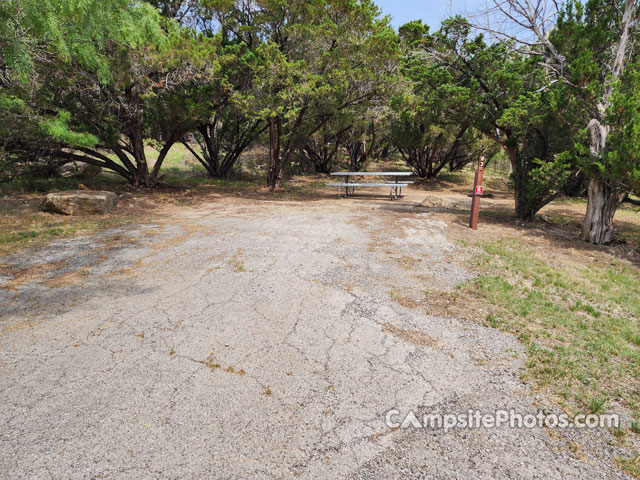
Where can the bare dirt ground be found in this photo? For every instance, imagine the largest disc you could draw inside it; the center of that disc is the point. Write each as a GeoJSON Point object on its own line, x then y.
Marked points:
{"type": "Point", "coordinates": [240, 338]}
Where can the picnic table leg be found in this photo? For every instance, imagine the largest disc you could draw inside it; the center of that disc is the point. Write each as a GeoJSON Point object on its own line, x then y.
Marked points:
{"type": "Point", "coordinates": [396, 180]}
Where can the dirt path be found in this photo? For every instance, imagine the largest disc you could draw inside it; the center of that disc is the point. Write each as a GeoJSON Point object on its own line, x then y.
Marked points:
{"type": "Point", "coordinates": [258, 340]}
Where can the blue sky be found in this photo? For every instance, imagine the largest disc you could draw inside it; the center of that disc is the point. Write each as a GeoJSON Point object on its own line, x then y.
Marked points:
{"type": "Point", "coordinates": [431, 12]}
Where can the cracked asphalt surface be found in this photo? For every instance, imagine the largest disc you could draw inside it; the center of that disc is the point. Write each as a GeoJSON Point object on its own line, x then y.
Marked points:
{"type": "Point", "coordinates": [242, 339]}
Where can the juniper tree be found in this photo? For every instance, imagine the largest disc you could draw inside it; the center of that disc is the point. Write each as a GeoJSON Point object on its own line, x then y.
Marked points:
{"type": "Point", "coordinates": [431, 128]}
{"type": "Point", "coordinates": [503, 94]}
{"type": "Point", "coordinates": [116, 79]}
{"type": "Point", "coordinates": [321, 58]}
{"type": "Point", "coordinates": [586, 46]}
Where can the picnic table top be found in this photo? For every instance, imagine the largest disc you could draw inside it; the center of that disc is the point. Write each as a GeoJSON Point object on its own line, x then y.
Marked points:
{"type": "Point", "coordinates": [392, 185]}
{"type": "Point", "coordinates": [379, 174]}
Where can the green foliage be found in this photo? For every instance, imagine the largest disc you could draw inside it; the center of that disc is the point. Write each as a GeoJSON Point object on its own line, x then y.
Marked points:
{"type": "Point", "coordinates": [58, 128]}
{"type": "Point", "coordinates": [600, 66]}
{"type": "Point", "coordinates": [73, 30]}
{"type": "Point", "coordinates": [507, 97]}
{"type": "Point", "coordinates": [621, 161]}
{"type": "Point", "coordinates": [12, 103]}
{"type": "Point", "coordinates": [137, 79]}
{"type": "Point", "coordinates": [584, 34]}
{"type": "Point", "coordinates": [325, 75]}
{"type": "Point", "coordinates": [317, 60]}
{"type": "Point", "coordinates": [431, 128]}
{"type": "Point", "coordinates": [59, 54]}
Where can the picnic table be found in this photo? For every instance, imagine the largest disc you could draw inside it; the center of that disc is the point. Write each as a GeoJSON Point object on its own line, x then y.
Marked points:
{"type": "Point", "coordinates": [390, 180]}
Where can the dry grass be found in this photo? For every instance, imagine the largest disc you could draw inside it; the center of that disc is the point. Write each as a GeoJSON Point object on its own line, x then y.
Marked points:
{"type": "Point", "coordinates": [236, 263]}
{"type": "Point", "coordinates": [575, 306]}
{"type": "Point", "coordinates": [20, 277]}
{"type": "Point", "coordinates": [210, 362]}
{"type": "Point", "coordinates": [237, 371]}
{"type": "Point", "coordinates": [405, 300]}
{"type": "Point", "coordinates": [23, 229]}
{"type": "Point", "coordinates": [412, 337]}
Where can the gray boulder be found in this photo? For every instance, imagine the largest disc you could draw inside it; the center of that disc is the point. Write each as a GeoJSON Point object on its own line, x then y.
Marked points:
{"type": "Point", "coordinates": [78, 169]}
{"type": "Point", "coordinates": [80, 202]}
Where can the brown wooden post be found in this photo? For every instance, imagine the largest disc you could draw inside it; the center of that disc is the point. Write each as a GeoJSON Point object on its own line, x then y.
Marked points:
{"type": "Point", "coordinates": [477, 193]}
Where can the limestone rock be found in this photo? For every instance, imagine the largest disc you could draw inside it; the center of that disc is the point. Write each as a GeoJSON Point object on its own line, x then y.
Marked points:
{"type": "Point", "coordinates": [79, 169]}
{"type": "Point", "coordinates": [80, 202]}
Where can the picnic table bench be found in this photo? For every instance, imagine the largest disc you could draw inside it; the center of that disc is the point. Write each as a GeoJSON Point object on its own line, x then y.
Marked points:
{"type": "Point", "coordinates": [395, 186]}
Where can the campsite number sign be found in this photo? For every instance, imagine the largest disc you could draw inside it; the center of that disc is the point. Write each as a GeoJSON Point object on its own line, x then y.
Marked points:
{"type": "Point", "coordinates": [477, 194]}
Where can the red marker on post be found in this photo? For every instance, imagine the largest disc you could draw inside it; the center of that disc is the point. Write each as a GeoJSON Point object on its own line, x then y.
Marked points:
{"type": "Point", "coordinates": [477, 193]}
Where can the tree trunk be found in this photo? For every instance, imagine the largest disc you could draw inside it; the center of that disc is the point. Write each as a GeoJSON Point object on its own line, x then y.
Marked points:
{"type": "Point", "coordinates": [320, 160]}
{"type": "Point", "coordinates": [210, 147]}
{"type": "Point", "coordinates": [141, 176]}
{"type": "Point", "coordinates": [604, 200]}
{"type": "Point", "coordinates": [357, 155]}
{"type": "Point", "coordinates": [416, 158]}
{"type": "Point", "coordinates": [525, 206]}
{"type": "Point", "coordinates": [275, 154]}
{"type": "Point", "coordinates": [162, 154]}
{"type": "Point", "coordinates": [323, 162]}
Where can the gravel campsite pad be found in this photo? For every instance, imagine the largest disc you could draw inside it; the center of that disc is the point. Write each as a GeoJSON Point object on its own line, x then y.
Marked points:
{"type": "Point", "coordinates": [248, 339]}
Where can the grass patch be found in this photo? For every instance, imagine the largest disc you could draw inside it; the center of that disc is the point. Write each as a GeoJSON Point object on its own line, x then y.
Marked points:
{"type": "Point", "coordinates": [26, 229]}
{"type": "Point", "coordinates": [630, 465]}
{"type": "Point", "coordinates": [558, 218]}
{"type": "Point", "coordinates": [581, 323]}
{"type": "Point", "coordinates": [198, 177]}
